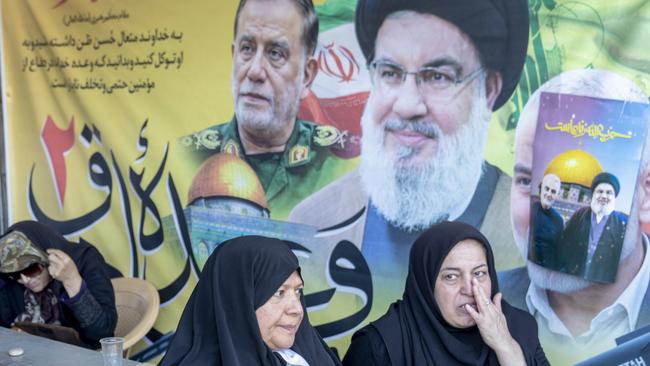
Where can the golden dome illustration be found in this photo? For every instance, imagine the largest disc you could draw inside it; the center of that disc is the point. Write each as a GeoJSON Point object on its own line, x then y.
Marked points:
{"type": "Point", "coordinates": [227, 175]}
{"type": "Point", "coordinates": [575, 166]}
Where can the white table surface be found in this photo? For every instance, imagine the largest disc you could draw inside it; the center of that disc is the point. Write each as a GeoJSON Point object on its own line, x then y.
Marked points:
{"type": "Point", "coordinates": [41, 351]}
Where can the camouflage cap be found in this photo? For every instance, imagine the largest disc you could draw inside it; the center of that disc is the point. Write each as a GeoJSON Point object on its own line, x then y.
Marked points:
{"type": "Point", "coordinates": [17, 252]}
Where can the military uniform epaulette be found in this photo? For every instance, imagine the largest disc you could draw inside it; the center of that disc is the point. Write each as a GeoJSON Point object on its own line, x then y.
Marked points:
{"type": "Point", "coordinates": [308, 140]}
{"type": "Point", "coordinates": [206, 139]}
{"type": "Point", "coordinates": [329, 136]}
{"type": "Point", "coordinates": [224, 138]}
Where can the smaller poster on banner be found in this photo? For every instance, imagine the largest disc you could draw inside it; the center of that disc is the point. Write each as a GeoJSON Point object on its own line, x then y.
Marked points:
{"type": "Point", "coordinates": [586, 160]}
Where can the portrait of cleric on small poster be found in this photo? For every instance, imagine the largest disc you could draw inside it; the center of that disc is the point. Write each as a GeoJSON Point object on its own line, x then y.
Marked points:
{"type": "Point", "coordinates": [586, 160]}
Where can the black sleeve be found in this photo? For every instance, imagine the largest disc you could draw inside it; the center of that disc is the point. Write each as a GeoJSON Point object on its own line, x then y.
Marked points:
{"type": "Point", "coordinates": [6, 313]}
{"type": "Point", "coordinates": [528, 338]}
{"type": "Point", "coordinates": [11, 301]}
{"type": "Point", "coordinates": [95, 313]}
{"type": "Point", "coordinates": [367, 349]}
{"type": "Point", "coordinates": [280, 359]}
{"type": "Point", "coordinates": [539, 358]}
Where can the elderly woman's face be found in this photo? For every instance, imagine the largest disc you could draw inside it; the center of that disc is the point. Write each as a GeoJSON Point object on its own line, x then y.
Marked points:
{"type": "Point", "coordinates": [280, 317]}
{"type": "Point", "coordinates": [453, 288]}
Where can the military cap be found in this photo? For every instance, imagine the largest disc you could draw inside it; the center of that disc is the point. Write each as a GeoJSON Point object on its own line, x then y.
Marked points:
{"type": "Point", "coordinates": [17, 252]}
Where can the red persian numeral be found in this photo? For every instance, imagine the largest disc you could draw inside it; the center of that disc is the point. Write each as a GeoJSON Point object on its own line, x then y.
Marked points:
{"type": "Point", "coordinates": [61, 2]}
{"type": "Point", "coordinates": [57, 143]}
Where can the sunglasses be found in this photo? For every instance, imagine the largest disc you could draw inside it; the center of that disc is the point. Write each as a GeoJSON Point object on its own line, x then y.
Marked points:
{"type": "Point", "coordinates": [32, 270]}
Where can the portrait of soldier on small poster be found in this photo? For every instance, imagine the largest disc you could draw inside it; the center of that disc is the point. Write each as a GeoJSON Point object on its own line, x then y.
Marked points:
{"type": "Point", "coordinates": [586, 160]}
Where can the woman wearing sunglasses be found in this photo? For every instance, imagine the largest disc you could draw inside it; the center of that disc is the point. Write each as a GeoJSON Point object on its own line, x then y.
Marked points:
{"type": "Point", "coordinates": [45, 279]}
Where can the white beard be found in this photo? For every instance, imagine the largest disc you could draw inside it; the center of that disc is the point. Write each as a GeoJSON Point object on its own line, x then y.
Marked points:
{"type": "Point", "coordinates": [602, 209]}
{"type": "Point", "coordinates": [546, 202]}
{"type": "Point", "coordinates": [414, 198]}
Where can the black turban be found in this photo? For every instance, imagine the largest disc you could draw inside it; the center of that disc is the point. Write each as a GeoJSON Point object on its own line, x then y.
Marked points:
{"type": "Point", "coordinates": [606, 178]}
{"type": "Point", "coordinates": [498, 29]}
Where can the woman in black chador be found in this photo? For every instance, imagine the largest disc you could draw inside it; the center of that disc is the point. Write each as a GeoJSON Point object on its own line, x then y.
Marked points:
{"type": "Point", "coordinates": [248, 310]}
{"type": "Point", "coordinates": [451, 312]}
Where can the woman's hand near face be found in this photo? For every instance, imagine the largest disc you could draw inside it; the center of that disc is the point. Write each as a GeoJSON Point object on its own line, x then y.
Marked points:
{"type": "Point", "coordinates": [493, 327]}
{"type": "Point", "coordinates": [63, 269]}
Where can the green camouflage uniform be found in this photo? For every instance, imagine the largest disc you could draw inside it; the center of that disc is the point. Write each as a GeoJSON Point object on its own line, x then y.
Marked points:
{"type": "Point", "coordinates": [307, 163]}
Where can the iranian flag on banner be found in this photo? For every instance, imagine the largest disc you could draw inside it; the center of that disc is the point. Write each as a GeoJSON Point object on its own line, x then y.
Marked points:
{"type": "Point", "coordinates": [340, 90]}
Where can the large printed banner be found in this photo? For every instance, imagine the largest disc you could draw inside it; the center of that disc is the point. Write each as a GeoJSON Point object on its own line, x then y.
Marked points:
{"type": "Point", "coordinates": [119, 129]}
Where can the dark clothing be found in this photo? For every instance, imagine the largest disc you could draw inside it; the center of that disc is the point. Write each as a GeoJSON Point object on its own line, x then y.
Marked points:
{"type": "Point", "coordinates": [548, 226]}
{"type": "Point", "coordinates": [498, 29]}
{"type": "Point", "coordinates": [414, 331]}
{"type": "Point", "coordinates": [219, 326]}
{"type": "Point", "coordinates": [367, 348]}
{"type": "Point", "coordinates": [574, 245]}
{"type": "Point", "coordinates": [92, 311]}
{"type": "Point", "coordinates": [40, 307]}
{"type": "Point", "coordinates": [370, 349]}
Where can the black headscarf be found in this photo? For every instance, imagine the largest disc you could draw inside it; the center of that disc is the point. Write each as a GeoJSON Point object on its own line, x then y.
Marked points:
{"type": "Point", "coordinates": [91, 267]}
{"type": "Point", "coordinates": [218, 325]}
{"type": "Point", "coordinates": [498, 29]}
{"type": "Point", "coordinates": [45, 237]}
{"type": "Point", "coordinates": [414, 330]}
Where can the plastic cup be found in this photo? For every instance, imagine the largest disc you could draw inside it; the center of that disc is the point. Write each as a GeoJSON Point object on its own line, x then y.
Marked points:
{"type": "Point", "coordinates": [112, 348]}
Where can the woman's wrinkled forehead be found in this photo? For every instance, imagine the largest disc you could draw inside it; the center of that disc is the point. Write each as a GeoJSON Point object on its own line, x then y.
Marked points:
{"type": "Point", "coordinates": [433, 246]}
{"type": "Point", "coordinates": [462, 247]}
